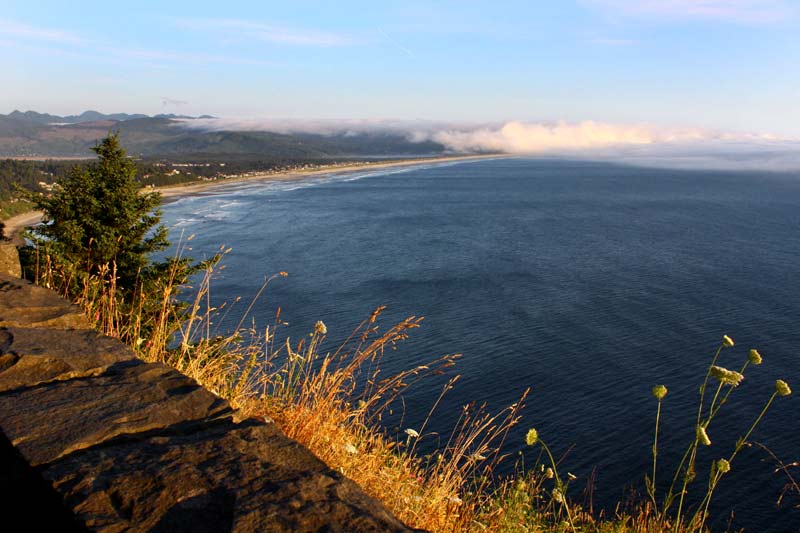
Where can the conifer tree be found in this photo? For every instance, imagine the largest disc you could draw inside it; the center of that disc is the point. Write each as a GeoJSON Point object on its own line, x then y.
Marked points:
{"type": "Point", "coordinates": [98, 217]}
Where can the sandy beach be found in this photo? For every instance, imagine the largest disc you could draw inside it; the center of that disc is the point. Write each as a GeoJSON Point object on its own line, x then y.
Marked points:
{"type": "Point", "coordinates": [178, 191]}
{"type": "Point", "coordinates": [16, 223]}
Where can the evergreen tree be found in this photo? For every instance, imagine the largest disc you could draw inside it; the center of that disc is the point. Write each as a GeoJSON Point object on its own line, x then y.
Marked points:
{"type": "Point", "coordinates": [97, 217]}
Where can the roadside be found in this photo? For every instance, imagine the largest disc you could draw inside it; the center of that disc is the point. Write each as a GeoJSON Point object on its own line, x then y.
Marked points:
{"type": "Point", "coordinates": [17, 223]}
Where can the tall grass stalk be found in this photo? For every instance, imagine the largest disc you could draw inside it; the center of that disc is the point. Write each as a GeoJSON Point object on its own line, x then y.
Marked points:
{"type": "Point", "coordinates": [335, 400]}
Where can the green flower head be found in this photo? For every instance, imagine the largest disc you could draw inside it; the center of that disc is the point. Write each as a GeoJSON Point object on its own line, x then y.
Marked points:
{"type": "Point", "coordinates": [782, 388]}
{"type": "Point", "coordinates": [532, 437]}
{"type": "Point", "coordinates": [726, 377]}
{"type": "Point", "coordinates": [659, 391]}
{"type": "Point", "coordinates": [727, 341]}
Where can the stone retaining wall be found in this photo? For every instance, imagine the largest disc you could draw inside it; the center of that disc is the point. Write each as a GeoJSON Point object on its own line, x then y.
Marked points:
{"type": "Point", "coordinates": [92, 437]}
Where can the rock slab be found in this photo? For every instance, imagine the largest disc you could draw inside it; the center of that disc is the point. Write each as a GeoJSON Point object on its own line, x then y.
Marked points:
{"type": "Point", "coordinates": [104, 441]}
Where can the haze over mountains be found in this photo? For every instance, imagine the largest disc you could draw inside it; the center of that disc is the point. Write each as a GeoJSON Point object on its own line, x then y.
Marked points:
{"type": "Point", "coordinates": [32, 134]}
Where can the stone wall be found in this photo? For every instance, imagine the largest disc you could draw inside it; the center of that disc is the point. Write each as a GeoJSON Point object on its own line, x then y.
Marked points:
{"type": "Point", "coordinates": [92, 437]}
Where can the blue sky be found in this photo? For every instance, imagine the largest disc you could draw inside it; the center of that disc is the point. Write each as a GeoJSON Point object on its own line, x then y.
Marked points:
{"type": "Point", "coordinates": [726, 65]}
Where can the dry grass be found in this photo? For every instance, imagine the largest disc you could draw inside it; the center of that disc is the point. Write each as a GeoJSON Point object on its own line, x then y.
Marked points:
{"type": "Point", "coordinates": [333, 403]}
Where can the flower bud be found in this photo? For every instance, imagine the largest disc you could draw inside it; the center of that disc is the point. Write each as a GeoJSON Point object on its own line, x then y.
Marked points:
{"type": "Point", "coordinates": [727, 341]}
{"type": "Point", "coordinates": [782, 388]}
{"type": "Point", "coordinates": [659, 391]}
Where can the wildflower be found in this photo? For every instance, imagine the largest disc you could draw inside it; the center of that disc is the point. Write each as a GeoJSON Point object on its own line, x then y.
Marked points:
{"type": "Point", "coordinates": [723, 466]}
{"type": "Point", "coordinates": [782, 388]}
{"type": "Point", "coordinates": [477, 457]}
{"type": "Point", "coordinates": [659, 391]}
{"type": "Point", "coordinates": [412, 433]}
{"type": "Point", "coordinates": [754, 357]}
{"type": "Point", "coordinates": [571, 476]}
{"type": "Point", "coordinates": [455, 500]}
{"type": "Point", "coordinates": [702, 436]}
{"type": "Point", "coordinates": [283, 274]}
{"type": "Point", "coordinates": [726, 377]}
{"type": "Point", "coordinates": [532, 437]}
{"type": "Point", "coordinates": [319, 328]}
{"type": "Point", "coordinates": [549, 473]}
{"type": "Point", "coordinates": [349, 448]}
{"type": "Point", "coordinates": [727, 341]}
{"type": "Point", "coordinates": [558, 496]}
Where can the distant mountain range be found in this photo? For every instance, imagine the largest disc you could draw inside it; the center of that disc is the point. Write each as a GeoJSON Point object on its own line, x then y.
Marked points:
{"type": "Point", "coordinates": [32, 134]}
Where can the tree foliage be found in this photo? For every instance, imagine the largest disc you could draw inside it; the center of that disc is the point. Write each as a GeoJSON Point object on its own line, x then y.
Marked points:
{"type": "Point", "coordinates": [98, 216]}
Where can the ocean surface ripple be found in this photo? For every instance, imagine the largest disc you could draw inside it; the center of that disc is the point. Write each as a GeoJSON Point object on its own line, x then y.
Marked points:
{"type": "Point", "coordinates": [588, 282]}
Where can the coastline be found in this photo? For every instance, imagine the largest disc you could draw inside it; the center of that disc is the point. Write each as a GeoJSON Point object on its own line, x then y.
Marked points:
{"type": "Point", "coordinates": [175, 192]}
{"type": "Point", "coordinates": [172, 193]}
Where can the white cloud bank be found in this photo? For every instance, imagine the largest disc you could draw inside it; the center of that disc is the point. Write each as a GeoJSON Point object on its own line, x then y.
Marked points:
{"type": "Point", "coordinates": [638, 144]}
{"type": "Point", "coordinates": [532, 138]}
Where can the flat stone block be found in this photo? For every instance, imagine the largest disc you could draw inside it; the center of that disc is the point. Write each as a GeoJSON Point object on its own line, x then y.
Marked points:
{"type": "Point", "coordinates": [23, 304]}
{"type": "Point", "coordinates": [232, 477]}
{"type": "Point", "coordinates": [29, 357]}
{"type": "Point", "coordinates": [55, 419]}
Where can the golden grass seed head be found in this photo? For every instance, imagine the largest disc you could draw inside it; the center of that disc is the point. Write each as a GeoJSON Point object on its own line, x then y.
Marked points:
{"type": "Point", "coordinates": [702, 436]}
{"type": "Point", "coordinates": [659, 391]}
{"type": "Point", "coordinates": [754, 357]}
{"type": "Point", "coordinates": [727, 341]}
{"type": "Point", "coordinates": [319, 328]}
{"type": "Point", "coordinates": [782, 388]}
{"type": "Point", "coordinates": [549, 474]}
{"type": "Point", "coordinates": [723, 466]}
{"type": "Point", "coordinates": [558, 496]}
{"type": "Point", "coordinates": [531, 437]}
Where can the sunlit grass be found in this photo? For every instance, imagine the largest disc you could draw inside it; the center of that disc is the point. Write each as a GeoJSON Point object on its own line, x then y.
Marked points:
{"type": "Point", "coordinates": [334, 402]}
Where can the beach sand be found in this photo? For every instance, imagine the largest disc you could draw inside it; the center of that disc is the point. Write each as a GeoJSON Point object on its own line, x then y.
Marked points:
{"type": "Point", "coordinates": [17, 223]}
{"type": "Point", "coordinates": [194, 188]}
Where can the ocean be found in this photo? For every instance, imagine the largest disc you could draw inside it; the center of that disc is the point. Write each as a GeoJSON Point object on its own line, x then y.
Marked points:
{"type": "Point", "coordinates": [587, 282]}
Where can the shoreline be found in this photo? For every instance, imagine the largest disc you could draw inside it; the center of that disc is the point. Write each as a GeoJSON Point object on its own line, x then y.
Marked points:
{"type": "Point", "coordinates": [175, 192]}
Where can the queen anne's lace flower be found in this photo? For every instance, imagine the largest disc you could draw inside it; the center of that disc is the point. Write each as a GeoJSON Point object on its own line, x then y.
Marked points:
{"type": "Point", "coordinates": [727, 341]}
{"type": "Point", "coordinates": [782, 388]}
{"type": "Point", "coordinates": [726, 377]}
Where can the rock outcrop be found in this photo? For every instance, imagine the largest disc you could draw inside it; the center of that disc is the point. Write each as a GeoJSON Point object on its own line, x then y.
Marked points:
{"type": "Point", "coordinates": [9, 259]}
{"type": "Point", "coordinates": [98, 439]}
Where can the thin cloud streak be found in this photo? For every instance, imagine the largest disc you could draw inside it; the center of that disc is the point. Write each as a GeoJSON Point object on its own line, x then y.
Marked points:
{"type": "Point", "coordinates": [65, 43]}
{"type": "Point", "coordinates": [236, 29]}
{"type": "Point", "coordinates": [19, 30]}
{"type": "Point", "coordinates": [737, 11]}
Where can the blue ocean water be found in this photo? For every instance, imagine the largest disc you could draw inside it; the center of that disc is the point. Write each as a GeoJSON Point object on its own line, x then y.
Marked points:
{"type": "Point", "coordinates": [588, 282]}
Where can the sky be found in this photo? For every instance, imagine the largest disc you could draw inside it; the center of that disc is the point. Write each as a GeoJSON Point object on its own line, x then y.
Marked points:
{"type": "Point", "coordinates": [677, 67]}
